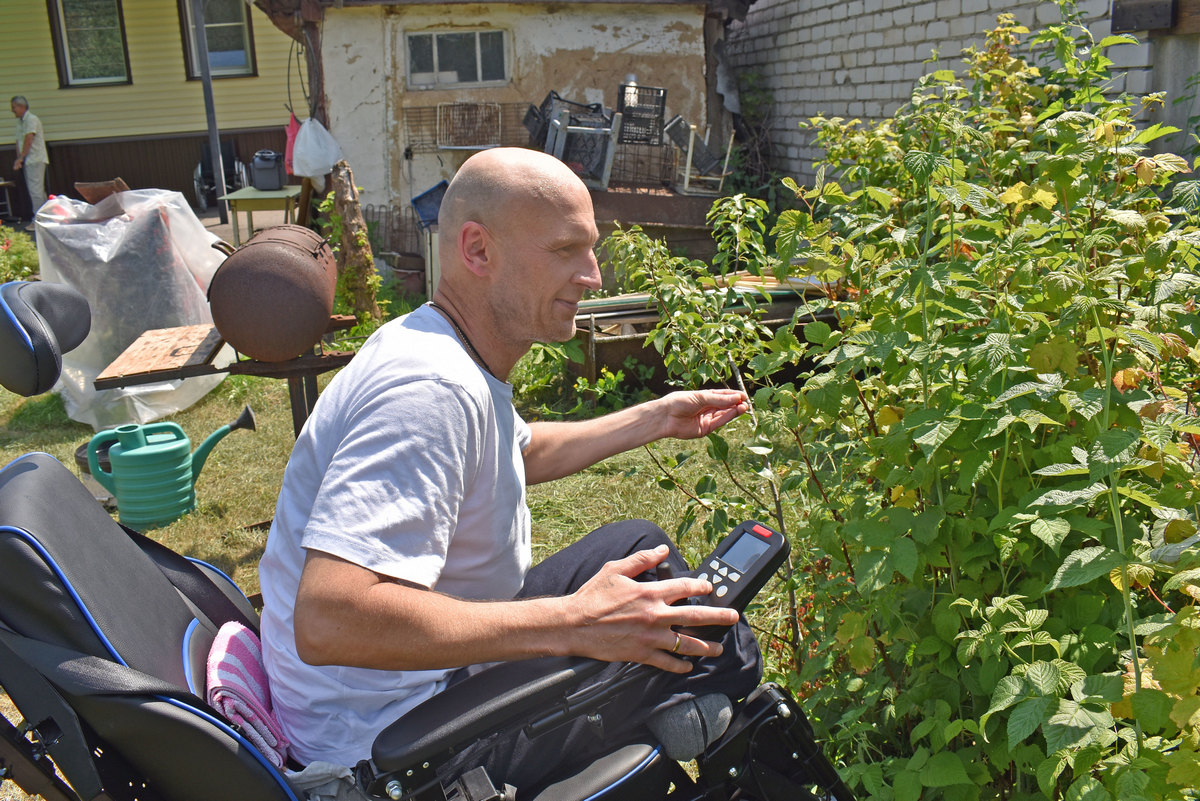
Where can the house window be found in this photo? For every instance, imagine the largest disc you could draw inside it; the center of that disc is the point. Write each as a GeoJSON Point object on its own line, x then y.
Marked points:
{"type": "Point", "coordinates": [230, 37]}
{"type": "Point", "coordinates": [458, 58]}
{"type": "Point", "coordinates": [89, 42]}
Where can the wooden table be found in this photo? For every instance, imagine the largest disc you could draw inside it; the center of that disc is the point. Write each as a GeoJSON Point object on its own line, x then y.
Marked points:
{"type": "Point", "coordinates": [164, 354]}
{"type": "Point", "coordinates": [250, 200]}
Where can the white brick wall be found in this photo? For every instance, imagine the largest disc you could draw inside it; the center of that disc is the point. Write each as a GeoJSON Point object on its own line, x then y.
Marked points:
{"type": "Point", "coordinates": [862, 58]}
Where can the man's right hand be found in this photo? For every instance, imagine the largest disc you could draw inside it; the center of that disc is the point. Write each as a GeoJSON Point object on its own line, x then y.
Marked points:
{"type": "Point", "coordinates": [616, 618]}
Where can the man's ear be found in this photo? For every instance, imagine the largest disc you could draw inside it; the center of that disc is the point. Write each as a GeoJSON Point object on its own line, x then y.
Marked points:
{"type": "Point", "coordinates": [475, 247]}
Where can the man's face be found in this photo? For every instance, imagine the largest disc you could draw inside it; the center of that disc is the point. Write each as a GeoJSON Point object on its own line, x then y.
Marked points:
{"type": "Point", "coordinates": [18, 110]}
{"type": "Point", "coordinates": [548, 263]}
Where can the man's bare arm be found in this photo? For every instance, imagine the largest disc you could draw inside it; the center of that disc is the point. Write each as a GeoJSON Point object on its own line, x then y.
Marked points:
{"type": "Point", "coordinates": [561, 449]}
{"type": "Point", "coordinates": [348, 615]}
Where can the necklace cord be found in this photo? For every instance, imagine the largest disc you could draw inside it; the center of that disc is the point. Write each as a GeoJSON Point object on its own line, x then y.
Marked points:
{"type": "Point", "coordinates": [462, 335]}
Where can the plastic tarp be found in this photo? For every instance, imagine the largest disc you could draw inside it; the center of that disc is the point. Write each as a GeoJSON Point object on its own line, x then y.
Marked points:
{"type": "Point", "coordinates": [144, 261]}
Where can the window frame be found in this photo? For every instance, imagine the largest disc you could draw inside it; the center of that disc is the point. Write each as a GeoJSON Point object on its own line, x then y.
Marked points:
{"type": "Point", "coordinates": [191, 64]}
{"type": "Point", "coordinates": [62, 50]}
{"type": "Point", "coordinates": [506, 54]}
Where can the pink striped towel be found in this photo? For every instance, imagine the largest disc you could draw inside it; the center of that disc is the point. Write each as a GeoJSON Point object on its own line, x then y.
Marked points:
{"type": "Point", "coordinates": [237, 688]}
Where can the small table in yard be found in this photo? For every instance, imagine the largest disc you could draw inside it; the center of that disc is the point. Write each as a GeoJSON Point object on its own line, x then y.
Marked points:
{"type": "Point", "coordinates": [250, 200]}
{"type": "Point", "coordinates": [165, 354]}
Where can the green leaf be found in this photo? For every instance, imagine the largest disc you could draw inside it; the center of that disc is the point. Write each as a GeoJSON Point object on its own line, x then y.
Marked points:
{"type": "Point", "coordinates": [1083, 566]}
{"type": "Point", "coordinates": [1108, 688]}
{"type": "Point", "coordinates": [871, 573]}
{"type": "Point", "coordinates": [921, 164]}
{"type": "Point", "coordinates": [934, 434]}
{"type": "Point", "coordinates": [944, 769]}
{"type": "Point", "coordinates": [1087, 788]}
{"type": "Point", "coordinates": [1086, 404]}
{"type": "Point", "coordinates": [1075, 724]}
{"type": "Point", "coordinates": [907, 786]}
{"type": "Point", "coordinates": [817, 332]}
{"type": "Point", "coordinates": [1009, 690]}
{"type": "Point", "coordinates": [1127, 218]}
{"type": "Point", "coordinates": [1073, 497]}
{"type": "Point", "coordinates": [1027, 717]}
{"type": "Point", "coordinates": [1123, 38]}
{"type": "Point", "coordinates": [903, 556]}
{"type": "Point", "coordinates": [1152, 708]}
{"type": "Point", "coordinates": [1187, 194]}
{"type": "Point", "coordinates": [881, 196]}
{"type": "Point", "coordinates": [1111, 451]}
{"type": "Point", "coordinates": [1052, 532]}
{"type": "Point", "coordinates": [1044, 677]}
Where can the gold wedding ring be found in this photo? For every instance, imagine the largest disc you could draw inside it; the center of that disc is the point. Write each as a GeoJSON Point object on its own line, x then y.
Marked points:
{"type": "Point", "coordinates": [675, 647]}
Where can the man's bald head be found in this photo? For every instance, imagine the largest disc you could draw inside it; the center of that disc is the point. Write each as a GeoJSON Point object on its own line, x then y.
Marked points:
{"type": "Point", "coordinates": [498, 186]}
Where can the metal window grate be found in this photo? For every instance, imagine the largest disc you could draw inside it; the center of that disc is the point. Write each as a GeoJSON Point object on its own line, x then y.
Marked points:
{"type": "Point", "coordinates": [468, 126]}
{"type": "Point", "coordinates": [426, 127]}
{"type": "Point", "coordinates": [393, 229]}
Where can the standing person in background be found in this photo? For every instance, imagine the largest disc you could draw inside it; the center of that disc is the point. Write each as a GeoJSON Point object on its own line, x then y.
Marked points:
{"type": "Point", "coordinates": [31, 153]}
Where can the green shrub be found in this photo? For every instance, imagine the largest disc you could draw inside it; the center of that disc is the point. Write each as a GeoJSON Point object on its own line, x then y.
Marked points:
{"type": "Point", "coordinates": [990, 474]}
{"type": "Point", "coordinates": [18, 255]}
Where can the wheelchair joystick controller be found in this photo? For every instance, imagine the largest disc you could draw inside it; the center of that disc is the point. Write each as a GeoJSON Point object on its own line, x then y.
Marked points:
{"type": "Point", "coordinates": [738, 568]}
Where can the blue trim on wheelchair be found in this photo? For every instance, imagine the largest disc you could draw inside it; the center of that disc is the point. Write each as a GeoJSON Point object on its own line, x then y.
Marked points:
{"type": "Point", "coordinates": [186, 656]}
{"type": "Point", "coordinates": [633, 772]}
{"type": "Point", "coordinates": [218, 571]}
{"type": "Point", "coordinates": [87, 615]}
{"type": "Point", "coordinates": [8, 312]}
{"type": "Point", "coordinates": [237, 736]}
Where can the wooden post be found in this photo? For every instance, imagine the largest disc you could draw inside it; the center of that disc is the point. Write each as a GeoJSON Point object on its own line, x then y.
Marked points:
{"type": "Point", "coordinates": [356, 264]}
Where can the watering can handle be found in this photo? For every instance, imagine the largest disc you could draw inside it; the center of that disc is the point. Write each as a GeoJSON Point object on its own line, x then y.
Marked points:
{"type": "Point", "coordinates": [155, 428]}
{"type": "Point", "coordinates": [93, 453]}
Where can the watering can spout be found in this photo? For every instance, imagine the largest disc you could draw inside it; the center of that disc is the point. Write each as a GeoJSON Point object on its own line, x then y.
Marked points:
{"type": "Point", "coordinates": [245, 420]}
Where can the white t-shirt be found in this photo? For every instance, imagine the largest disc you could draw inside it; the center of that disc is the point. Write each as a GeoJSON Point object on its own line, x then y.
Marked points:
{"type": "Point", "coordinates": [411, 466]}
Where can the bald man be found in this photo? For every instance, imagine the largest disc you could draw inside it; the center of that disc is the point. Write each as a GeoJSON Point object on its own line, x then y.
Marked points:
{"type": "Point", "coordinates": [399, 555]}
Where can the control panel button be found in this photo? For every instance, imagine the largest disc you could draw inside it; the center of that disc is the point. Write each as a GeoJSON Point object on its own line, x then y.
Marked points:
{"type": "Point", "coordinates": [703, 577]}
{"type": "Point", "coordinates": [735, 576]}
{"type": "Point", "coordinates": [722, 590]}
{"type": "Point", "coordinates": [717, 579]}
{"type": "Point", "coordinates": [715, 565]}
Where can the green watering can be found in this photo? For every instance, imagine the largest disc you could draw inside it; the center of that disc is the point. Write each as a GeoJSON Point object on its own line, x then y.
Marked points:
{"type": "Point", "coordinates": [153, 469]}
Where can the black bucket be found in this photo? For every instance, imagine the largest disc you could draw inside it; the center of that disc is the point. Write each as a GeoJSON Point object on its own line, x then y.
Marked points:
{"type": "Point", "coordinates": [81, 457]}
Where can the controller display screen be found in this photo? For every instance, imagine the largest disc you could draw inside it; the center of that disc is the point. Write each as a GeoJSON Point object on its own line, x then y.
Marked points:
{"type": "Point", "coordinates": [743, 552]}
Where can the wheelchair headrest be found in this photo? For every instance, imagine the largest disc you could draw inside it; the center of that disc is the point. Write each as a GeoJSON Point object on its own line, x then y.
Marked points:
{"type": "Point", "coordinates": [39, 322]}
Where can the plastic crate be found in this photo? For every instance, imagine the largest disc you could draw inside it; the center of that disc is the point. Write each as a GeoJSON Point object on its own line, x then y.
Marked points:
{"type": "Point", "coordinates": [428, 203]}
{"type": "Point", "coordinates": [643, 109]}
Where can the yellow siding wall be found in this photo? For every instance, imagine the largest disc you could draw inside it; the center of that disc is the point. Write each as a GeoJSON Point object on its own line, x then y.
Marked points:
{"type": "Point", "coordinates": [160, 100]}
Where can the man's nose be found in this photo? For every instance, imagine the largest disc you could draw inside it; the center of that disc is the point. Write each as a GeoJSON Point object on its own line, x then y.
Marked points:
{"type": "Point", "coordinates": [589, 277]}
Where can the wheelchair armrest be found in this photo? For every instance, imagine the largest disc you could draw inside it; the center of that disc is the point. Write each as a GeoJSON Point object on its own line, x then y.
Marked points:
{"type": "Point", "coordinates": [478, 705]}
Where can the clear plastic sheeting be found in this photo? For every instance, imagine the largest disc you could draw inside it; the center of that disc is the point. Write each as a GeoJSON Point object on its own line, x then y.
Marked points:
{"type": "Point", "coordinates": [144, 261]}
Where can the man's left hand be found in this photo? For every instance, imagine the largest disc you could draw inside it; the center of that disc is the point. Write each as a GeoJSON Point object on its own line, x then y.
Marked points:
{"type": "Point", "coordinates": [698, 413]}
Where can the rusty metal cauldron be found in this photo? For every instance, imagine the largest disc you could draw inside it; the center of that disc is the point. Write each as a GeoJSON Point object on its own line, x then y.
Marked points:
{"type": "Point", "coordinates": [272, 297]}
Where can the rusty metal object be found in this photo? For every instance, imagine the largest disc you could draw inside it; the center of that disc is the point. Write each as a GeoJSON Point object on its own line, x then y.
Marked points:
{"type": "Point", "coordinates": [271, 299]}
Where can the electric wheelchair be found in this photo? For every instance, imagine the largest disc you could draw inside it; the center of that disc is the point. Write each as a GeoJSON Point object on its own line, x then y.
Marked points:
{"type": "Point", "coordinates": [104, 635]}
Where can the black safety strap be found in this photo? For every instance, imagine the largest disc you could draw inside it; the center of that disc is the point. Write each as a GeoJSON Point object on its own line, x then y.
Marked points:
{"type": "Point", "coordinates": [34, 673]}
{"type": "Point", "coordinates": [80, 674]}
{"type": "Point", "coordinates": [193, 582]}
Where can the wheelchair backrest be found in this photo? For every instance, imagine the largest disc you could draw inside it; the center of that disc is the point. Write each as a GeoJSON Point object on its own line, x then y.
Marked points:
{"type": "Point", "coordinates": [70, 576]}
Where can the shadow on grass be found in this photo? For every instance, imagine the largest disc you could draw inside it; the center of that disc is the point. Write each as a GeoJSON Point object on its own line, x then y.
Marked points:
{"type": "Point", "coordinates": [44, 418]}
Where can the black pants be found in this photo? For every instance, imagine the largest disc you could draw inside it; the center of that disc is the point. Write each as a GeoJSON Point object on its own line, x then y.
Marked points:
{"type": "Point", "coordinates": [524, 763]}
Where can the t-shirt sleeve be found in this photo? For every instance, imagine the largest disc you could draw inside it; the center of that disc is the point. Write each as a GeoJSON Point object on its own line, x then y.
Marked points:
{"type": "Point", "coordinates": [396, 481]}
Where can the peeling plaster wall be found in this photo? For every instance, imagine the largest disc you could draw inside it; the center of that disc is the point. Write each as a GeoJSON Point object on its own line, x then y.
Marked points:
{"type": "Point", "coordinates": [583, 52]}
{"type": "Point", "coordinates": [357, 63]}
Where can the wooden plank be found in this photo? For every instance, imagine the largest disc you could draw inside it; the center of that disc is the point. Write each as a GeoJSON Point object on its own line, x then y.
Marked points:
{"type": "Point", "coordinates": [164, 352]}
